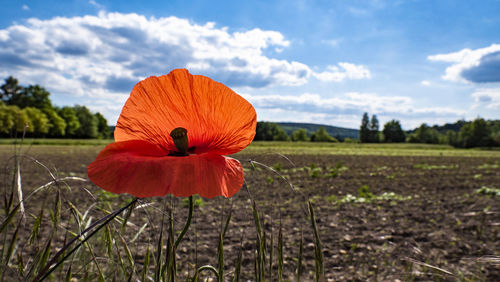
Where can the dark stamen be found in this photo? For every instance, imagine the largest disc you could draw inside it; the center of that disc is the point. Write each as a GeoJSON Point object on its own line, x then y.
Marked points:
{"type": "Point", "coordinates": [179, 135]}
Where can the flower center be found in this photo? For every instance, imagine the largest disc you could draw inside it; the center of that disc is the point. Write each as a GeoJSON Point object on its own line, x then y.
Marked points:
{"type": "Point", "coordinates": [179, 135]}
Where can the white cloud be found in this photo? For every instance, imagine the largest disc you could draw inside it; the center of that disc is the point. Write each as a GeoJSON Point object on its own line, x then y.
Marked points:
{"type": "Point", "coordinates": [343, 71]}
{"type": "Point", "coordinates": [25, 7]}
{"type": "Point", "coordinates": [99, 58]}
{"type": "Point", "coordinates": [472, 65]}
{"type": "Point", "coordinates": [113, 51]}
{"type": "Point", "coordinates": [487, 97]}
{"type": "Point", "coordinates": [425, 83]}
{"type": "Point", "coordinates": [346, 110]}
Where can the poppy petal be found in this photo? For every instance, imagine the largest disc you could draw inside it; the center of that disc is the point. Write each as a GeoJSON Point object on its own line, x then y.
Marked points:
{"type": "Point", "coordinates": [143, 169]}
{"type": "Point", "coordinates": [217, 119]}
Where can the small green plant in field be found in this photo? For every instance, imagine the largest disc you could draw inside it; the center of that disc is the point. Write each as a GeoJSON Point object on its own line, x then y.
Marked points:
{"type": "Point", "coordinates": [391, 176]}
{"type": "Point", "coordinates": [270, 180]}
{"type": "Point", "coordinates": [337, 170]}
{"type": "Point", "coordinates": [315, 172]}
{"type": "Point", "coordinates": [432, 167]}
{"type": "Point", "coordinates": [277, 166]}
{"type": "Point", "coordinates": [488, 191]}
{"type": "Point", "coordinates": [333, 173]}
{"type": "Point", "coordinates": [364, 192]}
{"type": "Point", "coordinates": [478, 176]}
{"type": "Point", "coordinates": [332, 199]}
{"type": "Point", "coordinates": [103, 195]}
{"type": "Point", "coordinates": [197, 201]}
{"type": "Point", "coordinates": [488, 166]}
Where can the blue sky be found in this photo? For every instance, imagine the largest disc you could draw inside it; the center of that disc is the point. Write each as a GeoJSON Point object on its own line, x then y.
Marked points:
{"type": "Point", "coordinates": [304, 61]}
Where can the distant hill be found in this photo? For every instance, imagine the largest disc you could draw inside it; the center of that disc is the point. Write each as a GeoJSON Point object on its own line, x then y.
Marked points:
{"type": "Point", "coordinates": [337, 132]}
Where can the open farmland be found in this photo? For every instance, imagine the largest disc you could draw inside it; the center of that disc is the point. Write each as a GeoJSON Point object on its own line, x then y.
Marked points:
{"type": "Point", "coordinates": [383, 212]}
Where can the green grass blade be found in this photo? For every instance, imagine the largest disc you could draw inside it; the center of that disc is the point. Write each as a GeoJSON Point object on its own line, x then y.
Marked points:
{"type": "Point", "coordinates": [119, 257]}
{"type": "Point", "coordinates": [108, 242]}
{"type": "Point", "coordinates": [188, 223]}
{"type": "Point", "coordinates": [45, 256]}
{"type": "Point", "coordinates": [159, 252]}
{"type": "Point", "coordinates": [280, 253]}
{"type": "Point", "coordinates": [36, 226]}
{"type": "Point", "coordinates": [9, 219]}
{"type": "Point", "coordinates": [271, 253]}
{"type": "Point", "coordinates": [57, 210]}
{"type": "Point", "coordinates": [20, 264]}
{"type": "Point", "coordinates": [68, 275]}
{"type": "Point", "coordinates": [139, 232]}
{"type": "Point", "coordinates": [228, 220]}
{"type": "Point", "coordinates": [299, 260]}
{"type": "Point", "coordinates": [128, 254]}
{"type": "Point", "coordinates": [206, 268]}
{"type": "Point", "coordinates": [12, 245]}
{"type": "Point", "coordinates": [237, 269]}
{"type": "Point", "coordinates": [220, 255]}
{"type": "Point", "coordinates": [169, 267]}
{"type": "Point", "coordinates": [146, 265]}
{"type": "Point", "coordinates": [318, 253]}
{"type": "Point", "coordinates": [127, 217]}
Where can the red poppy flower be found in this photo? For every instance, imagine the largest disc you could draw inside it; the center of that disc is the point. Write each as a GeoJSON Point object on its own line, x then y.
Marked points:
{"type": "Point", "coordinates": [145, 162]}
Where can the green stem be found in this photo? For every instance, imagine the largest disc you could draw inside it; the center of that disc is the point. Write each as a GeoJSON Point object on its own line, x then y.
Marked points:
{"type": "Point", "coordinates": [203, 268]}
{"type": "Point", "coordinates": [188, 223]}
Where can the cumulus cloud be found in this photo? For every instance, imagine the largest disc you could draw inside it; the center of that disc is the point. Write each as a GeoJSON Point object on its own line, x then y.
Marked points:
{"type": "Point", "coordinates": [347, 109]}
{"type": "Point", "coordinates": [113, 50]}
{"type": "Point", "coordinates": [425, 83]}
{"type": "Point", "coordinates": [99, 58]}
{"type": "Point", "coordinates": [343, 71]}
{"type": "Point", "coordinates": [478, 66]}
{"type": "Point", "coordinates": [487, 97]}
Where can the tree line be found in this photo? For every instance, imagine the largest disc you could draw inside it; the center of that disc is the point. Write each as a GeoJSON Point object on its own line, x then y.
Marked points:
{"type": "Point", "coordinates": [462, 134]}
{"type": "Point", "coordinates": [29, 110]}
{"type": "Point", "coordinates": [270, 131]}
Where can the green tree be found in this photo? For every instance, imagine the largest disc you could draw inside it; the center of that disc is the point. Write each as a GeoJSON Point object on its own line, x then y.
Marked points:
{"type": "Point", "coordinates": [393, 132]}
{"type": "Point", "coordinates": [32, 96]}
{"type": "Point", "coordinates": [57, 123]}
{"type": "Point", "coordinates": [475, 134]}
{"type": "Point", "coordinates": [364, 131]}
{"type": "Point", "coordinates": [68, 114]}
{"type": "Point", "coordinates": [7, 120]}
{"type": "Point", "coordinates": [39, 121]}
{"type": "Point", "coordinates": [13, 121]}
{"type": "Point", "coordinates": [88, 123]}
{"type": "Point", "coordinates": [321, 135]}
{"type": "Point", "coordinates": [102, 126]}
{"type": "Point", "coordinates": [300, 135]}
{"type": "Point", "coordinates": [425, 134]}
{"type": "Point", "coordinates": [269, 131]}
{"type": "Point", "coordinates": [10, 88]}
{"type": "Point", "coordinates": [373, 130]}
